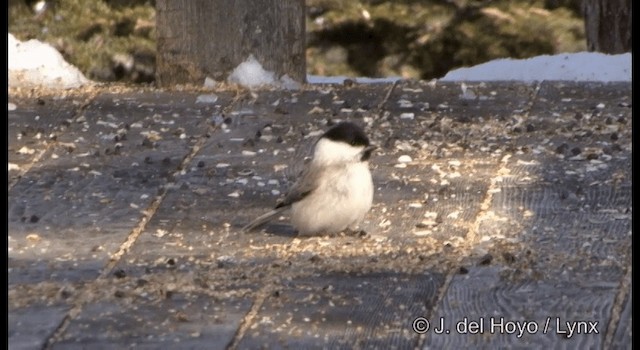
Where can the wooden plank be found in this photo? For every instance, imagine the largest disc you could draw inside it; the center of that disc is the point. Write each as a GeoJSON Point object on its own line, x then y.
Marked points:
{"type": "Point", "coordinates": [192, 321]}
{"type": "Point", "coordinates": [344, 311]}
{"type": "Point", "coordinates": [484, 309]}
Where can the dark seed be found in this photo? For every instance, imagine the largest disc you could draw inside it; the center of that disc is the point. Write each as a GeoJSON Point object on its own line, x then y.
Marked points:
{"type": "Point", "coordinates": [141, 282]}
{"type": "Point", "coordinates": [201, 164]}
{"type": "Point", "coordinates": [280, 110]}
{"type": "Point", "coordinates": [486, 260]}
{"type": "Point", "coordinates": [120, 273]}
{"type": "Point", "coordinates": [614, 136]}
{"type": "Point", "coordinates": [576, 150]}
{"type": "Point", "coordinates": [562, 148]}
{"type": "Point", "coordinates": [64, 294]}
{"type": "Point", "coordinates": [530, 128]}
{"type": "Point", "coordinates": [463, 270]}
{"type": "Point", "coordinates": [147, 143]}
{"type": "Point", "coordinates": [592, 156]}
{"type": "Point", "coordinates": [33, 219]}
{"type": "Point", "coordinates": [509, 258]}
{"type": "Point", "coordinates": [249, 143]}
{"type": "Point", "coordinates": [315, 259]}
{"type": "Point", "coordinates": [118, 294]}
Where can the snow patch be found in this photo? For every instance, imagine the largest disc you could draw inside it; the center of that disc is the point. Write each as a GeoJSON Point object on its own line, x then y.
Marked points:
{"type": "Point", "coordinates": [581, 66]}
{"type": "Point", "coordinates": [34, 63]}
{"type": "Point", "coordinates": [250, 74]}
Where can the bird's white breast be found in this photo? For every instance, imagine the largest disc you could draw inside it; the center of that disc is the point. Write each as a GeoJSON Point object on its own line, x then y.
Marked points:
{"type": "Point", "coordinates": [342, 199]}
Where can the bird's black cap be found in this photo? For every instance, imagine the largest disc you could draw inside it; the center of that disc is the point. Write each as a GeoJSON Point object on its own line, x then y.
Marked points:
{"type": "Point", "coordinates": [349, 133]}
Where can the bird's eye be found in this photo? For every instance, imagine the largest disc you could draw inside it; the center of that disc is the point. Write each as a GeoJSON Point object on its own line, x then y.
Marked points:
{"type": "Point", "coordinates": [353, 142]}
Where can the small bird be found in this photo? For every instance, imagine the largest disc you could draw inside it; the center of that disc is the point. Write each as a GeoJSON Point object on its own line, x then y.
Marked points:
{"type": "Point", "coordinates": [335, 189]}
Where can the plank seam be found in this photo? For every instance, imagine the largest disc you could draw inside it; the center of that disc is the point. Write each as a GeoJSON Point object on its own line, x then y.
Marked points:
{"type": "Point", "coordinates": [618, 306]}
{"type": "Point", "coordinates": [79, 302]}
{"type": "Point", "coordinates": [483, 212]}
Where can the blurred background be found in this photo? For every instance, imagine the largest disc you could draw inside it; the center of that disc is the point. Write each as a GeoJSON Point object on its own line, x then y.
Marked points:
{"type": "Point", "coordinates": [114, 40]}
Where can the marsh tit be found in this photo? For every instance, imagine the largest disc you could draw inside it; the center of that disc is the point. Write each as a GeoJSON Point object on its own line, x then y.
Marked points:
{"type": "Point", "coordinates": [335, 189]}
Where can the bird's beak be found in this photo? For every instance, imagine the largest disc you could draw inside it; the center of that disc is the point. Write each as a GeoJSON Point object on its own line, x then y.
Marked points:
{"type": "Point", "coordinates": [366, 152]}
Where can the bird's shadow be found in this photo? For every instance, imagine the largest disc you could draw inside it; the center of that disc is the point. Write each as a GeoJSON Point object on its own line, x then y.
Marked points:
{"type": "Point", "coordinates": [284, 230]}
{"type": "Point", "coordinates": [276, 229]}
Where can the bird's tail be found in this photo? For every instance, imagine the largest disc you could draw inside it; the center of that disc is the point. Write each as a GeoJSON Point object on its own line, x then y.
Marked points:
{"type": "Point", "coordinates": [263, 219]}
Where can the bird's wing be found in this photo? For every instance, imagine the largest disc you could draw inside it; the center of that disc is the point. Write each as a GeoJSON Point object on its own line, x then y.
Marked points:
{"type": "Point", "coordinates": [303, 187]}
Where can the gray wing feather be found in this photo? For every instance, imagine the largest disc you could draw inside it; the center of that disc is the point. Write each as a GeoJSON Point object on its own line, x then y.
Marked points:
{"type": "Point", "coordinates": [305, 184]}
{"type": "Point", "coordinates": [300, 189]}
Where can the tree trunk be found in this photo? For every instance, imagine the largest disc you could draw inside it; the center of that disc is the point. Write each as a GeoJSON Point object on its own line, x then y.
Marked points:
{"type": "Point", "coordinates": [209, 38]}
{"type": "Point", "coordinates": [608, 25]}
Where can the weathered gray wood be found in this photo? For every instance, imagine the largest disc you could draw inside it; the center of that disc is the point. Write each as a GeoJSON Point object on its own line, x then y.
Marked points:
{"type": "Point", "coordinates": [608, 25]}
{"type": "Point", "coordinates": [530, 181]}
{"type": "Point", "coordinates": [339, 311]}
{"type": "Point", "coordinates": [200, 38]}
{"type": "Point", "coordinates": [186, 321]}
